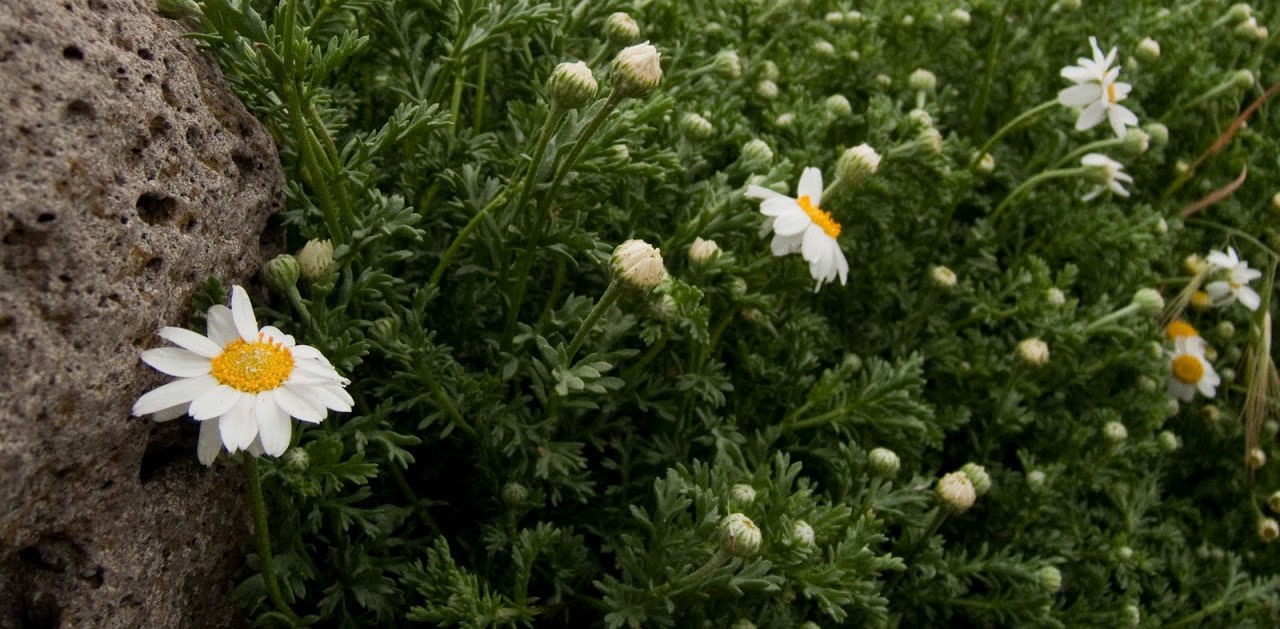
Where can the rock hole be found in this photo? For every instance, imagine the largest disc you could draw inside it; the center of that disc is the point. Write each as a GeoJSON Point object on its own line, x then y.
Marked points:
{"type": "Point", "coordinates": [46, 217]}
{"type": "Point", "coordinates": [245, 164]}
{"type": "Point", "coordinates": [155, 208]}
{"type": "Point", "coordinates": [170, 445]}
{"type": "Point", "coordinates": [195, 139]}
{"type": "Point", "coordinates": [187, 223]}
{"type": "Point", "coordinates": [145, 53]}
{"type": "Point", "coordinates": [40, 612]}
{"type": "Point", "coordinates": [73, 53]}
{"type": "Point", "coordinates": [154, 265]}
{"type": "Point", "coordinates": [80, 109]}
{"type": "Point", "coordinates": [148, 78]}
{"type": "Point", "coordinates": [159, 125]}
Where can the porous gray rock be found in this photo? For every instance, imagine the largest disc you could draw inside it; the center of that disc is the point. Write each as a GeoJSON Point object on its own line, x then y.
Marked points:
{"type": "Point", "coordinates": [129, 173]}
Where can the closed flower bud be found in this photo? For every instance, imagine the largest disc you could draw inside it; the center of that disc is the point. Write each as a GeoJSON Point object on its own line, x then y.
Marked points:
{"type": "Point", "coordinates": [956, 491]}
{"type": "Point", "coordinates": [737, 287]}
{"type": "Point", "coordinates": [572, 85]}
{"type": "Point", "coordinates": [1210, 414]}
{"type": "Point", "coordinates": [281, 273]}
{"type": "Point", "coordinates": [514, 494]}
{"type": "Point", "coordinates": [839, 106]}
{"type": "Point", "coordinates": [986, 163]}
{"type": "Point", "coordinates": [1033, 352]}
{"type": "Point", "coordinates": [852, 17]}
{"type": "Point", "coordinates": [1268, 529]}
{"type": "Point", "coordinates": [802, 535]}
{"type": "Point", "coordinates": [853, 362]}
{"type": "Point", "coordinates": [1239, 13]}
{"type": "Point", "coordinates": [883, 461]}
{"type": "Point", "coordinates": [702, 250]}
{"type": "Point", "coordinates": [922, 80]}
{"type": "Point", "coordinates": [1035, 479]}
{"type": "Point", "coordinates": [824, 48]}
{"type": "Point", "coordinates": [1273, 502]}
{"type": "Point", "coordinates": [920, 117]}
{"type": "Point", "coordinates": [1055, 297]}
{"type": "Point", "coordinates": [784, 121]}
{"type": "Point", "coordinates": [1124, 553]}
{"type": "Point", "coordinates": [834, 18]}
{"type": "Point", "coordinates": [756, 154]}
{"type": "Point", "coordinates": [316, 258]}
{"type": "Point", "coordinates": [1275, 202]}
{"type": "Point", "coordinates": [727, 64]}
{"type": "Point", "coordinates": [1256, 458]}
{"type": "Point", "coordinates": [1135, 614]}
{"type": "Point", "coordinates": [1149, 301]}
{"type": "Point", "coordinates": [1148, 51]}
{"type": "Point", "coordinates": [638, 264]}
{"type": "Point", "coordinates": [1243, 79]}
{"type": "Point", "coordinates": [767, 90]}
{"type": "Point", "coordinates": [1158, 133]}
{"type": "Point", "coordinates": [620, 28]}
{"type": "Point", "coordinates": [386, 330]}
{"type": "Point", "coordinates": [978, 476]}
{"type": "Point", "coordinates": [1147, 385]}
{"type": "Point", "coordinates": [696, 127]}
{"type": "Point", "coordinates": [1115, 432]}
{"type": "Point", "coordinates": [958, 18]}
{"type": "Point", "coordinates": [620, 153]}
{"type": "Point", "coordinates": [742, 495]}
{"type": "Point", "coordinates": [1066, 6]}
{"type": "Point", "coordinates": [908, 20]}
{"type": "Point", "coordinates": [857, 164]}
{"type": "Point", "coordinates": [884, 80]}
{"type": "Point", "coordinates": [1136, 142]}
{"type": "Point", "coordinates": [740, 535]}
{"type": "Point", "coordinates": [1050, 579]}
{"type": "Point", "coordinates": [769, 71]}
{"type": "Point", "coordinates": [297, 459]}
{"type": "Point", "coordinates": [943, 278]}
{"type": "Point", "coordinates": [1171, 407]}
{"type": "Point", "coordinates": [1168, 441]}
{"type": "Point", "coordinates": [932, 139]}
{"type": "Point", "coordinates": [636, 71]}
{"type": "Point", "coordinates": [1226, 329]}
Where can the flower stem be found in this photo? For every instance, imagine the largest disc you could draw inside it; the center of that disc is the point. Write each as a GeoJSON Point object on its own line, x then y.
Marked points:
{"type": "Point", "coordinates": [462, 237]}
{"type": "Point", "coordinates": [1058, 173]}
{"type": "Point", "coordinates": [697, 576]}
{"type": "Point", "coordinates": [544, 138]}
{"type": "Point", "coordinates": [611, 295]}
{"type": "Point", "coordinates": [263, 535]}
{"type": "Point", "coordinates": [1091, 147]}
{"type": "Point", "coordinates": [938, 518]}
{"type": "Point", "coordinates": [1013, 124]}
{"type": "Point", "coordinates": [1112, 317]}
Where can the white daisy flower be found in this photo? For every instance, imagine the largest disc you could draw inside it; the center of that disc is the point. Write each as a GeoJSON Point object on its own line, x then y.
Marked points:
{"type": "Point", "coordinates": [1108, 175]}
{"type": "Point", "coordinates": [800, 225]}
{"type": "Point", "coordinates": [241, 382]}
{"type": "Point", "coordinates": [1190, 371]}
{"type": "Point", "coordinates": [1098, 92]}
{"type": "Point", "coordinates": [1236, 286]}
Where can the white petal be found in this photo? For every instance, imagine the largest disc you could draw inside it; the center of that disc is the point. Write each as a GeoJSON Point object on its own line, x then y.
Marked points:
{"type": "Point", "coordinates": [1249, 298]}
{"type": "Point", "coordinates": [313, 368]}
{"type": "Point", "coordinates": [1092, 194]}
{"type": "Point", "coordinates": [1218, 290]}
{"type": "Point", "coordinates": [221, 326]}
{"type": "Point", "coordinates": [242, 314]}
{"type": "Point", "coordinates": [785, 245]}
{"type": "Point", "coordinates": [274, 427]}
{"type": "Point", "coordinates": [779, 206]}
{"type": "Point", "coordinates": [172, 394]}
{"type": "Point", "coordinates": [766, 227]}
{"type": "Point", "coordinates": [274, 333]}
{"type": "Point", "coordinates": [210, 442]}
{"type": "Point", "coordinates": [1080, 95]}
{"type": "Point", "coordinates": [761, 192]}
{"type": "Point", "coordinates": [214, 402]}
{"type": "Point", "coordinates": [842, 266]}
{"type": "Point", "coordinates": [169, 414]}
{"type": "Point", "coordinates": [1078, 74]}
{"type": "Point", "coordinates": [811, 186]}
{"type": "Point", "coordinates": [238, 427]}
{"type": "Point", "coordinates": [194, 341]}
{"type": "Point", "coordinates": [1116, 115]}
{"type": "Point", "coordinates": [1180, 389]}
{"type": "Point", "coordinates": [255, 448]}
{"type": "Point", "coordinates": [1221, 260]}
{"type": "Point", "coordinates": [792, 223]}
{"type": "Point", "coordinates": [814, 243]}
{"type": "Point", "coordinates": [1091, 116]}
{"type": "Point", "coordinates": [334, 398]}
{"type": "Point", "coordinates": [176, 361]}
{"type": "Point", "coordinates": [293, 401]}
{"type": "Point", "coordinates": [307, 352]}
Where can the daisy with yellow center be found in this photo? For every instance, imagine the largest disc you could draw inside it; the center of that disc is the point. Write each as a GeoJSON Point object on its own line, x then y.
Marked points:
{"type": "Point", "coordinates": [1097, 92]}
{"type": "Point", "coordinates": [800, 225]}
{"type": "Point", "coordinates": [1179, 328]}
{"type": "Point", "coordinates": [1190, 371]}
{"type": "Point", "coordinates": [241, 382]}
{"type": "Point", "coordinates": [1236, 285]}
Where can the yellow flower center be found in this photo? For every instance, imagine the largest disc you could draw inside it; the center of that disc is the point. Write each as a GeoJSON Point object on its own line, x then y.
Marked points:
{"type": "Point", "coordinates": [1201, 300]}
{"type": "Point", "coordinates": [820, 218]}
{"type": "Point", "coordinates": [1188, 368]}
{"type": "Point", "coordinates": [1179, 328]}
{"type": "Point", "coordinates": [1111, 93]}
{"type": "Point", "coordinates": [253, 367]}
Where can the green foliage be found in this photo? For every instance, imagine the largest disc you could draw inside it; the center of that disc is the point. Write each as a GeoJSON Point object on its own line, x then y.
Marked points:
{"type": "Point", "coordinates": [525, 449]}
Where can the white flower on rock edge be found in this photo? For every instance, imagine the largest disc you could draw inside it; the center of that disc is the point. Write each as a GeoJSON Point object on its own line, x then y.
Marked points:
{"type": "Point", "coordinates": [1109, 175]}
{"type": "Point", "coordinates": [1236, 286]}
{"type": "Point", "coordinates": [800, 225]}
{"type": "Point", "coordinates": [1190, 371]}
{"type": "Point", "coordinates": [1097, 91]}
{"type": "Point", "coordinates": [241, 382]}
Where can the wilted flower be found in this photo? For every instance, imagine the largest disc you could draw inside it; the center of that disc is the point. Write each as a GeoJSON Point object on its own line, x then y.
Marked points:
{"type": "Point", "coordinates": [800, 225]}
{"type": "Point", "coordinates": [1107, 173]}
{"type": "Point", "coordinates": [1097, 91]}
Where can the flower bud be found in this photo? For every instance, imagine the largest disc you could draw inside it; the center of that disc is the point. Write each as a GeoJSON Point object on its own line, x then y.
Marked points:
{"type": "Point", "coordinates": [1066, 6]}
{"type": "Point", "coordinates": [1050, 579]}
{"type": "Point", "coordinates": [620, 28]}
{"type": "Point", "coordinates": [740, 535]}
{"type": "Point", "coordinates": [742, 495]}
{"type": "Point", "coordinates": [1148, 51]}
{"type": "Point", "coordinates": [1268, 529]}
{"type": "Point", "coordinates": [920, 117]}
{"type": "Point", "coordinates": [956, 491]}
{"type": "Point", "coordinates": [884, 80]}
{"type": "Point", "coordinates": [1273, 502]}
{"type": "Point", "coordinates": [802, 535]}
{"type": "Point", "coordinates": [857, 164]}
{"type": "Point", "coordinates": [281, 273]}
{"type": "Point", "coordinates": [1147, 385]}
{"type": "Point", "coordinates": [702, 250]}
{"type": "Point", "coordinates": [620, 153]}
{"type": "Point", "coordinates": [958, 19]}
{"type": "Point", "coordinates": [514, 494]}
{"type": "Point", "coordinates": [727, 64]}
{"type": "Point", "coordinates": [922, 80]}
{"type": "Point", "coordinates": [638, 264]}
{"type": "Point", "coordinates": [1275, 202]}
{"type": "Point", "coordinates": [636, 70]}
{"type": "Point", "coordinates": [1055, 297]}
{"type": "Point", "coordinates": [978, 477]}
{"type": "Point", "coordinates": [1158, 133]}
{"type": "Point", "coordinates": [839, 106]}
{"type": "Point", "coordinates": [1238, 13]}
{"type": "Point", "coordinates": [756, 154]}
{"type": "Point", "coordinates": [769, 71]}
{"type": "Point", "coordinates": [1136, 142]}
{"type": "Point", "coordinates": [932, 140]}
{"type": "Point", "coordinates": [852, 17]}
{"type": "Point", "coordinates": [1135, 614]}
{"type": "Point", "coordinates": [1149, 301]}
{"type": "Point", "coordinates": [1210, 414]}
{"type": "Point", "coordinates": [1201, 300]}
{"type": "Point", "coordinates": [1036, 479]}
{"type": "Point", "coordinates": [1256, 458]}
{"type": "Point", "coordinates": [1033, 352]}
{"type": "Point", "coordinates": [1115, 432]}
{"type": "Point", "coordinates": [1242, 79]}
{"type": "Point", "coordinates": [785, 120]}
{"type": "Point", "coordinates": [767, 90]}
{"type": "Point", "coordinates": [883, 461]}
{"type": "Point", "coordinates": [908, 20]}
{"type": "Point", "coordinates": [986, 163]}
{"type": "Point", "coordinates": [824, 48]}
{"type": "Point", "coordinates": [316, 258]}
{"type": "Point", "coordinates": [1168, 442]}
{"type": "Point", "coordinates": [942, 278]}
{"type": "Point", "coordinates": [297, 459]}
{"type": "Point", "coordinates": [386, 330]}
{"type": "Point", "coordinates": [834, 18]}
{"type": "Point", "coordinates": [737, 287]}
{"type": "Point", "coordinates": [1124, 553]}
{"type": "Point", "coordinates": [572, 85]}
{"type": "Point", "coordinates": [696, 127]}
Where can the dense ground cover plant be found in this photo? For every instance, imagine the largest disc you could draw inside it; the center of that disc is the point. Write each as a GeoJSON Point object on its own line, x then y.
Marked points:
{"type": "Point", "coordinates": [1032, 386]}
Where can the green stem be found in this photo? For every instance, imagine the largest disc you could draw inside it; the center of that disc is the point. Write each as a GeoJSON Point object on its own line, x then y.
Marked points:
{"type": "Point", "coordinates": [938, 518]}
{"type": "Point", "coordinates": [633, 372]}
{"type": "Point", "coordinates": [611, 295]}
{"type": "Point", "coordinates": [1112, 317]}
{"type": "Point", "coordinates": [697, 576]}
{"type": "Point", "coordinates": [989, 73]}
{"type": "Point", "coordinates": [544, 138]}
{"type": "Point", "coordinates": [455, 102]}
{"type": "Point", "coordinates": [462, 237]}
{"type": "Point", "coordinates": [1204, 96]}
{"type": "Point", "coordinates": [258, 507]}
{"type": "Point", "coordinates": [1012, 124]}
{"type": "Point", "coordinates": [477, 117]}
{"type": "Point", "coordinates": [1091, 147]}
{"type": "Point", "coordinates": [442, 399]}
{"type": "Point", "coordinates": [412, 497]}
{"type": "Point", "coordinates": [818, 420]}
{"type": "Point", "coordinates": [1058, 173]}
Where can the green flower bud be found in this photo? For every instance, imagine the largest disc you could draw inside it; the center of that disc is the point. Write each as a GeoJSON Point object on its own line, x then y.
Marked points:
{"type": "Point", "coordinates": [1115, 432]}
{"type": "Point", "coordinates": [1066, 6]}
{"type": "Point", "coordinates": [839, 106]}
{"type": "Point", "coordinates": [958, 19]}
{"type": "Point", "coordinates": [1255, 459]}
{"type": "Point", "coordinates": [854, 362]}
{"type": "Point", "coordinates": [1055, 297]}
{"type": "Point", "coordinates": [1148, 51]}
{"type": "Point", "coordinates": [740, 536]}
{"type": "Point", "coordinates": [727, 64]}
{"type": "Point", "coordinates": [956, 491]}
{"type": "Point", "coordinates": [1239, 13]}
{"type": "Point", "coordinates": [1033, 352]}
{"type": "Point", "coordinates": [514, 494]}
{"type": "Point", "coordinates": [297, 459]}
{"type": "Point", "coordinates": [572, 85]}
{"type": "Point", "coordinates": [737, 287]}
{"type": "Point", "coordinates": [920, 117]}
{"type": "Point", "coordinates": [942, 278]}
{"type": "Point", "coordinates": [638, 265]}
{"type": "Point", "coordinates": [802, 535]}
{"type": "Point", "coordinates": [1243, 79]}
{"type": "Point", "coordinates": [742, 495]}
{"type": "Point", "coordinates": [922, 81]}
{"type": "Point", "coordinates": [756, 154]}
{"type": "Point", "coordinates": [767, 90]}
{"type": "Point", "coordinates": [1036, 479]}
{"type": "Point", "coordinates": [834, 18]}
{"type": "Point", "coordinates": [637, 71]}
{"type": "Point", "coordinates": [316, 258]}
{"type": "Point", "coordinates": [978, 477]}
{"type": "Point", "coordinates": [883, 461]}
{"type": "Point", "coordinates": [620, 28]}
{"type": "Point", "coordinates": [785, 120]}
{"type": "Point", "coordinates": [1158, 133]}
{"type": "Point", "coordinates": [1136, 142]}
{"type": "Point", "coordinates": [824, 48]}
{"type": "Point", "coordinates": [1050, 579]}
{"type": "Point", "coordinates": [1268, 530]}
{"type": "Point", "coordinates": [1273, 502]}
{"type": "Point", "coordinates": [769, 71]}
{"type": "Point", "coordinates": [1168, 442]}
{"type": "Point", "coordinates": [857, 164]}
{"type": "Point", "coordinates": [1149, 300]}
{"type": "Point", "coordinates": [986, 163]}
{"type": "Point", "coordinates": [386, 330]}
{"type": "Point", "coordinates": [696, 127]}
{"type": "Point", "coordinates": [281, 273]}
